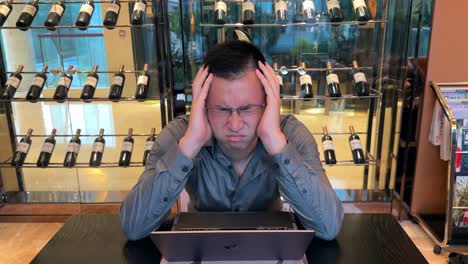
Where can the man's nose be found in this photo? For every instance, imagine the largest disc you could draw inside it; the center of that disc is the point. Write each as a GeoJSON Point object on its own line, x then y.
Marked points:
{"type": "Point", "coordinates": [235, 122]}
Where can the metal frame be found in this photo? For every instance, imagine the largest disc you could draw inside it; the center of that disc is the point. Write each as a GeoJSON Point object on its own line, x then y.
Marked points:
{"type": "Point", "coordinates": [450, 170]}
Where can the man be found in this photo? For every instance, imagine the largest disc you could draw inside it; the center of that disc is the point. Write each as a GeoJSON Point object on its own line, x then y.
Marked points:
{"type": "Point", "coordinates": [234, 152]}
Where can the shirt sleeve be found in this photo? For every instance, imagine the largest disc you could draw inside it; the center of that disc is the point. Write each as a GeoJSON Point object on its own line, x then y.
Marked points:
{"type": "Point", "coordinates": [166, 172]}
{"type": "Point", "coordinates": [304, 185]}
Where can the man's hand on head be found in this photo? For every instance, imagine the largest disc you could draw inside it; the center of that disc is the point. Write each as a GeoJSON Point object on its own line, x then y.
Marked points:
{"type": "Point", "coordinates": [199, 130]}
{"type": "Point", "coordinates": [268, 129]}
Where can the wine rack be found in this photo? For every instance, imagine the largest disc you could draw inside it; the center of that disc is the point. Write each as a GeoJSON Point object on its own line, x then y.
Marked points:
{"type": "Point", "coordinates": [34, 46]}
{"type": "Point", "coordinates": [294, 40]}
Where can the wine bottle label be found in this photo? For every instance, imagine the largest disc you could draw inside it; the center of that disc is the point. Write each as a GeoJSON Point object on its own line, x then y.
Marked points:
{"type": "Point", "coordinates": [281, 5]}
{"type": "Point", "coordinates": [64, 81]}
{"type": "Point", "coordinates": [56, 9]}
{"type": "Point", "coordinates": [98, 147]}
{"type": "Point", "coordinates": [127, 146]}
{"type": "Point", "coordinates": [30, 10]}
{"type": "Point", "coordinates": [4, 10]}
{"type": "Point", "coordinates": [242, 36]}
{"type": "Point", "coordinates": [23, 147]}
{"type": "Point", "coordinates": [149, 145]}
{"type": "Point", "coordinates": [332, 78]}
{"type": "Point", "coordinates": [327, 145]}
{"type": "Point", "coordinates": [13, 81]}
{"type": "Point", "coordinates": [248, 6]}
{"type": "Point", "coordinates": [355, 144]}
{"type": "Point", "coordinates": [220, 6]}
{"type": "Point", "coordinates": [139, 6]}
{"type": "Point", "coordinates": [87, 9]}
{"type": "Point", "coordinates": [113, 8]}
{"type": "Point", "coordinates": [359, 3]}
{"type": "Point", "coordinates": [142, 79]}
{"type": "Point", "coordinates": [305, 79]}
{"type": "Point", "coordinates": [47, 147]}
{"type": "Point", "coordinates": [117, 80]}
{"type": "Point", "coordinates": [92, 81]}
{"type": "Point", "coordinates": [74, 147]}
{"type": "Point", "coordinates": [308, 4]}
{"type": "Point", "coordinates": [333, 4]}
{"type": "Point", "coordinates": [280, 79]}
{"type": "Point", "coordinates": [359, 77]}
{"type": "Point", "coordinates": [38, 81]}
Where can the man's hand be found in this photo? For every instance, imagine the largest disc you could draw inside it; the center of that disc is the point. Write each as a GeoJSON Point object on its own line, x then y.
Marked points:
{"type": "Point", "coordinates": [199, 130]}
{"type": "Point", "coordinates": [268, 129]}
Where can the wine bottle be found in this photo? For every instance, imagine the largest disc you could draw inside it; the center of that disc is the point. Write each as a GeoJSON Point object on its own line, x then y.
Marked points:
{"type": "Point", "coordinates": [90, 85]}
{"type": "Point", "coordinates": [333, 82]}
{"type": "Point", "coordinates": [220, 10]}
{"type": "Point", "coordinates": [139, 12]}
{"type": "Point", "coordinates": [27, 15]}
{"type": "Point", "coordinates": [84, 17]}
{"type": "Point", "coordinates": [308, 11]}
{"type": "Point", "coordinates": [22, 150]}
{"type": "Point", "coordinates": [279, 77]}
{"type": "Point", "coordinates": [63, 85]}
{"type": "Point", "coordinates": [118, 82]}
{"type": "Point", "coordinates": [112, 14]}
{"type": "Point", "coordinates": [334, 11]}
{"type": "Point", "coordinates": [328, 148]}
{"type": "Point", "coordinates": [356, 147]}
{"type": "Point", "coordinates": [149, 145]}
{"type": "Point", "coordinates": [55, 14]}
{"type": "Point", "coordinates": [12, 84]}
{"type": "Point", "coordinates": [47, 150]}
{"type": "Point", "coordinates": [361, 10]}
{"type": "Point", "coordinates": [37, 85]}
{"type": "Point", "coordinates": [248, 12]}
{"type": "Point", "coordinates": [72, 150]}
{"type": "Point", "coordinates": [98, 150]}
{"type": "Point", "coordinates": [281, 11]}
{"type": "Point", "coordinates": [142, 84]}
{"type": "Point", "coordinates": [127, 148]}
{"type": "Point", "coordinates": [5, 10]}
{"type": "Point", "coordinates": [305, 81]}
{"type": "Point", "coordinates": [359, 80]}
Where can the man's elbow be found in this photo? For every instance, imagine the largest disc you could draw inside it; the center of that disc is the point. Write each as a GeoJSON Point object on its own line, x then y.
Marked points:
{"type": "Point", "coordinates": [333, 228]}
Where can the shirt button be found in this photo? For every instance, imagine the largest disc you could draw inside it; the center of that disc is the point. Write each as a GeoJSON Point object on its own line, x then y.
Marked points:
{"type": "Point", "coordinates": [286, 161]}
{"type": "Point", "coordinates": [165, 199]}
{"type": "Point", "coordinates": [185, 169]}
{"type": "Point", "coordinates": [304, 191]}
{"type": "Point", "coordinates": [276, 166]}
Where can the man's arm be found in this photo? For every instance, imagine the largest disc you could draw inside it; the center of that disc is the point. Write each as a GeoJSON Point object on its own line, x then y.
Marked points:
{"type": "Point", "coordinates": [168, 166]}
{"type": "Point", "coordinates": [166, 172]}
{"type": "Point", "coordinates": [303, 183]}
{"type": "Point", "coordinates": [302, 180]}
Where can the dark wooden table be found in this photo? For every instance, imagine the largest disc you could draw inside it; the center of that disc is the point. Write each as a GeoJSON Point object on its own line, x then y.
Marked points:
{"type": "Point", "coordinates": [364, 238]}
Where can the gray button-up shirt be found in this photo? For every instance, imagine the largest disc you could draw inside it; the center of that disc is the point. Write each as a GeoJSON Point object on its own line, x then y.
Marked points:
{"type": "Point", "coordinates": [212, 184]}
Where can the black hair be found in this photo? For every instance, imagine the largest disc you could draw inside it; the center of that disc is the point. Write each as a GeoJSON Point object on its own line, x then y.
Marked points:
{"type": "Point", "coordinates": [229, 60]}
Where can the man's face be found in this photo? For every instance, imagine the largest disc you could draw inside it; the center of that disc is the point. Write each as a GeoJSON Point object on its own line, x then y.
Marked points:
{"type": "Point", "coordinates": [236, 132]}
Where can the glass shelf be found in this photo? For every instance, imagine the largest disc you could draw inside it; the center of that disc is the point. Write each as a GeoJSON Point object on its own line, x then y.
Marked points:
{"type": "Point", "coordinates": [149, 4]}
{"type": "Point", "coordinates": [140, 164]}
{"type": "Point", "coordinates": [98, 99]}
{"type": "Point", "coordinates": [71, 26]}
{"type": "Point", "coordinates": [323, 97]}
{"type": "Point", "coordinates": [77, 165]}
{"type": "Point", "coordinates": [81, 72]}
{"type": "Point", "coordinates": [96, 135]}
{"type": "Point", "coordinates": [299, 24]}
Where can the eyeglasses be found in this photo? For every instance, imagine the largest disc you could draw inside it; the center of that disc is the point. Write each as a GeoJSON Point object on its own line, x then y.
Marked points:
{"type": "Point", "coordinates": [245, 111]}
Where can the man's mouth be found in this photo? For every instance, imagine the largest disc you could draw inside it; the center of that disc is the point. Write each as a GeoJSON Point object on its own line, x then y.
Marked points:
{"type": "Point", "coordinates": [235, 138]}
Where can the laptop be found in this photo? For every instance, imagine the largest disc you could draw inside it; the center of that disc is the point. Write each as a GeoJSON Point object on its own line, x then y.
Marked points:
{"type": "Point", "coordinates": [232, 236]}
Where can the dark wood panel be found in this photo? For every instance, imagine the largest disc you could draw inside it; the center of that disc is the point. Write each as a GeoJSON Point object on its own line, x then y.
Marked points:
{"type": "Point", "coordinates": [40, 209]}
{"type": "Point", "coordinates": [364, 238]}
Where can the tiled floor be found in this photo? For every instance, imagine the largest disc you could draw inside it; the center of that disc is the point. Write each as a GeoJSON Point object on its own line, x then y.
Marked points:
{"type": "Point", "coordinates": [22, 241]}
